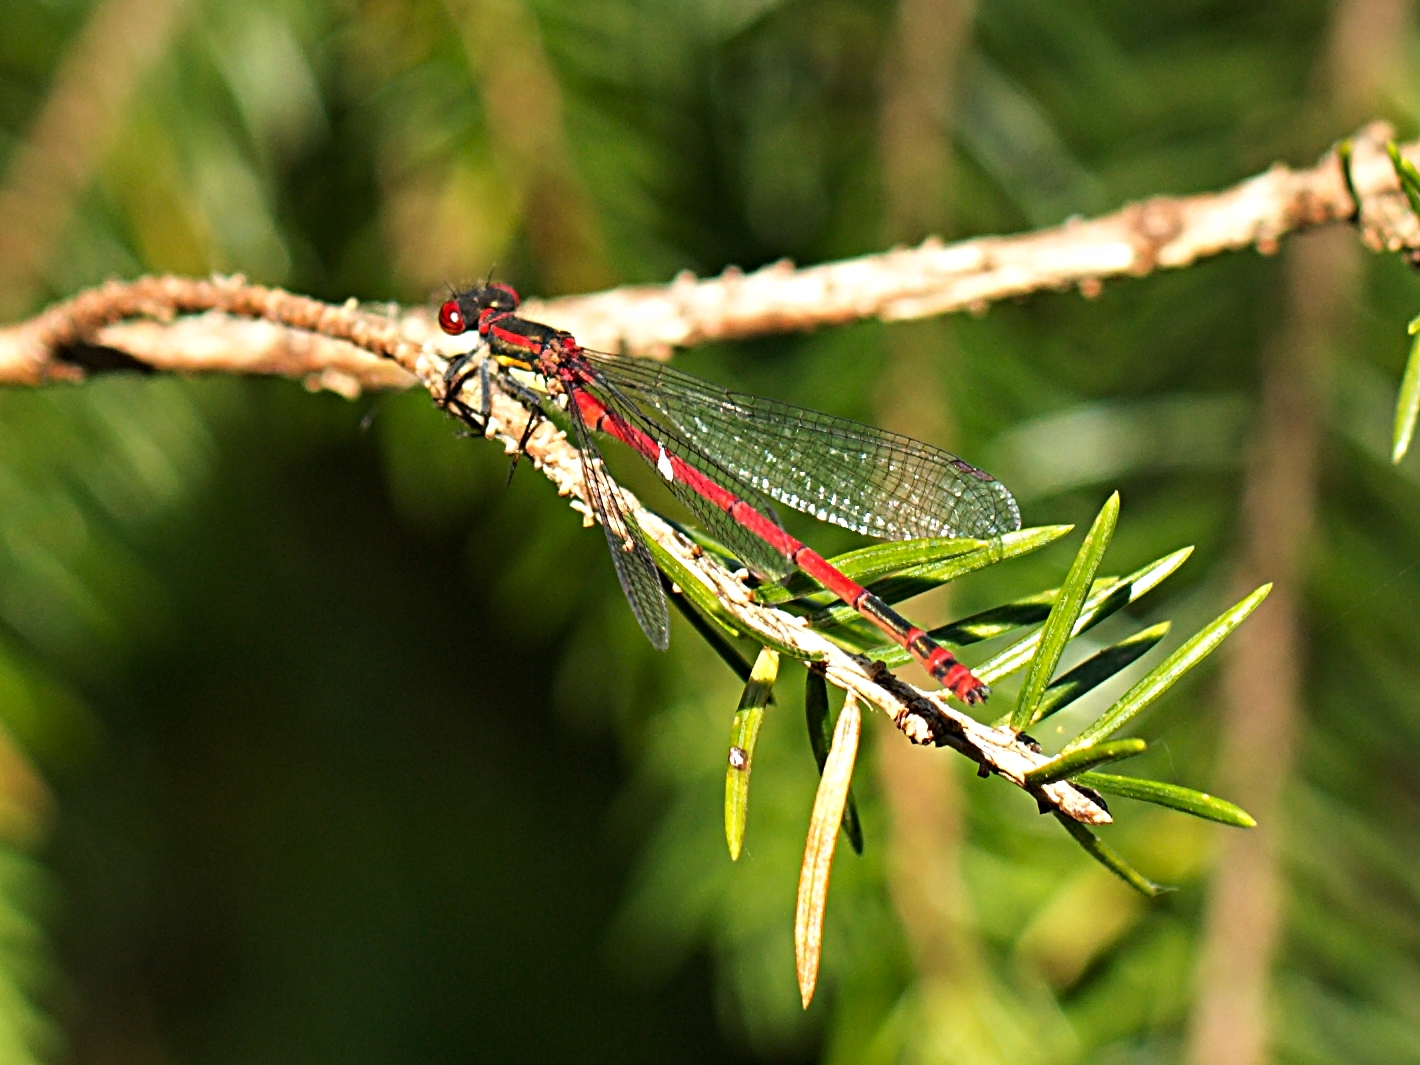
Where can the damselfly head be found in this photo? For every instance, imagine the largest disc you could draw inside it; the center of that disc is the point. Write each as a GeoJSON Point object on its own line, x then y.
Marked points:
{"type": "Point", "coordinates": [469, 309]}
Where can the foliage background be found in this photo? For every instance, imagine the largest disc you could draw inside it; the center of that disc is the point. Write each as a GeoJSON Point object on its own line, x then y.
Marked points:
{"type": "Point", "coordinates": [323, 745]}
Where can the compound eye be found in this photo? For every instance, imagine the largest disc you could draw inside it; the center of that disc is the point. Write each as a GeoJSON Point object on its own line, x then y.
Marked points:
{"type": "Point", "coordinates": [451, 319]}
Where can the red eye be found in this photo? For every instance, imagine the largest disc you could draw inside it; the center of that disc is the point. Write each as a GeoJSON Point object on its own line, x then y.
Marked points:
{"type": "Point", "coordinates": [451, 319]}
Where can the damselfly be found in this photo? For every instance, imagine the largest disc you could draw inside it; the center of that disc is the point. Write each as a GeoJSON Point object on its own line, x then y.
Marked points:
{"type": "Point", "coordinates": [724, 455]}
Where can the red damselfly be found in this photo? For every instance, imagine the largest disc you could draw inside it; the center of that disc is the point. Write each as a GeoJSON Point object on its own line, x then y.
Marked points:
{"type": "Point", "coordinates": [721, 454]}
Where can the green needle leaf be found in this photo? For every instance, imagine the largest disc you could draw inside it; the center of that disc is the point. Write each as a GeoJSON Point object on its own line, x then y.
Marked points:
{"type": "Point", "coordinates": [1408, 176]}
{"type": "Point", "coordinates": [916, 566]}
{"type": "Point", "coordinates": [914, 580]}
{"type": "Point", "coordinates": [1097, 669]}
{"type": "Point", "coordinates": [1060, 626]}
{"type": "Point", "coordinates": [1189, 801]}
{"type": "Point", "coordinates": [1106, 856]}
{"type": "Point", "coordinates": [743, 735]}
{"type": "Point", "coordinates": [707, 630]}
{"type": "Point", "coordinates": [1343, 153]}
{"type": "Point", "coordinates": [707, 604]}
{"type": "Point", "coordinates": [1167, 673]}
{"type": "Point", "coordinates": [1107, 598]}
{"type": "Point", "coordinates": [691, 587]}
{"type": "Point", "coordinates": [697, 535]}
{"type": "Point", "coordinates": [820, 739]}
{"type": "Point", "coordinates": [1071, 763]}
{"type": "Point", "coordinates": [1407, 404]}
{"type": "Point", "coordinates": [870, 563]}
{"type": "Point", "coordinates": [999, 620]}
{"type": "Point", "coordinates": [987, 624]}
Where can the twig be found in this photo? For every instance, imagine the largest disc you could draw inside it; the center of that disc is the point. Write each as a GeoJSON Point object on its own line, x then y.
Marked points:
{"type": "Point", "coordinates": [351, 341]}
{"type": "Point", "coordinates": [932, 279]}
{"type": "Point", "coordinates": [1160, 233]}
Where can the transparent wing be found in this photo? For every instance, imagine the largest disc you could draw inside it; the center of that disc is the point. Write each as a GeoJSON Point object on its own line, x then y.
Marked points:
{"type": "Point", "coordinates": [762, 558]}
{"type": "Point", "coordinates": [635, 568]}
{"type": "Point", "coordinates": [863, 478]}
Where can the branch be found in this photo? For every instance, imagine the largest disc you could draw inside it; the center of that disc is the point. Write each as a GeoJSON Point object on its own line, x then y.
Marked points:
{"type": "Point", "coordinates": [934, 278]}
{"type": "Point", "coordinates": [254, 329]}
{"type": "Point", "coordinates": [249, 329]}
{"type": "Point", "coordinates": [1163, 232]}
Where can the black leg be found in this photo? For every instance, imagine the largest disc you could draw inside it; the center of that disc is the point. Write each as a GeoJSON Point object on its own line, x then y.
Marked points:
{"type": "Point", "coordinates": [456, 375]}
{"type": "Point", "coordinates": [535, 417]}
{"type": "Point", "coordinates": [485, 391]}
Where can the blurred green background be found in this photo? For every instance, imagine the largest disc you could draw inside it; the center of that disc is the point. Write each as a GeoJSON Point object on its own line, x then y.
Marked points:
{"type": "Point", "coordinates": [323, 745]}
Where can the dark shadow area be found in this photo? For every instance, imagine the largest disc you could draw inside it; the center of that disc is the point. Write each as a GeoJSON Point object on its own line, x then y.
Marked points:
{"type": "Point", "coordinates": [333, 818]}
